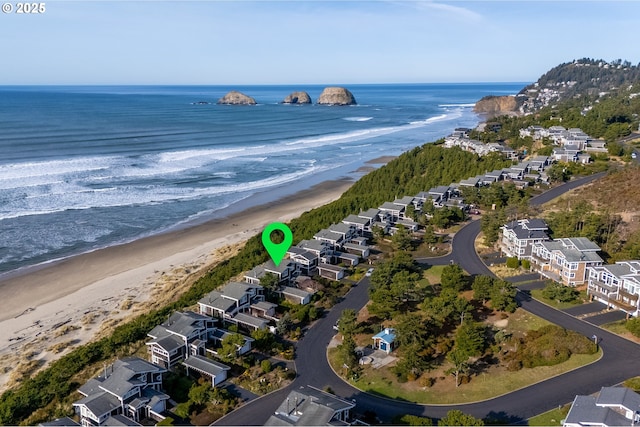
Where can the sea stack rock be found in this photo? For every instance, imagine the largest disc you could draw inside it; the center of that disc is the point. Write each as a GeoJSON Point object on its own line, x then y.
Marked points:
{"type": "Point", "coordinates": [336, 96]}
{"type": "Point", "coordinates": [297, 98]}
{"type": "Point", "coordinates": [496, 105]}
{"type": "Point", "coordinates": [236, 98]}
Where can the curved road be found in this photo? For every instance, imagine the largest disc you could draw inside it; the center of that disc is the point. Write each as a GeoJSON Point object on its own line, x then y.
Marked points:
{"type": "Point", "coordinates": [617, 363]}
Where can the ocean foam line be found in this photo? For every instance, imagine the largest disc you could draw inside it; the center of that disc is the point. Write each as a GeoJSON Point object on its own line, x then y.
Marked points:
{"type": "Point", "coordinates": [83, 199]}
{"type": "Point", "coordinates": [457, 105]}
{"type": "Point", "coordinates": [357, 119]}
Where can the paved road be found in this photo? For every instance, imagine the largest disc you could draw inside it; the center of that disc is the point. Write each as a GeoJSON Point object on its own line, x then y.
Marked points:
{"type": "Point", "coordinates": [615, 365]}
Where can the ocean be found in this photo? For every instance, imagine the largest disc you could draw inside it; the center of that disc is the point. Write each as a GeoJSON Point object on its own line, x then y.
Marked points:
{"type": "Point", "coordinates": [86, 167]}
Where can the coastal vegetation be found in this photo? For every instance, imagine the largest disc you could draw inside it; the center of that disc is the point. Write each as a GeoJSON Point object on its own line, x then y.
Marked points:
{"type": "Point", "coordinates": [41, 396]}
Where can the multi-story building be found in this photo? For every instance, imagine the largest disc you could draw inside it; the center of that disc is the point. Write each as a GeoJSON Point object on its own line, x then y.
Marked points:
{"type": "Point", "coordinates": [565, 260]}
{"type": "Point", "coordinates": [519, 236]}
{"type": "Point", "coordinates": [617, 285]}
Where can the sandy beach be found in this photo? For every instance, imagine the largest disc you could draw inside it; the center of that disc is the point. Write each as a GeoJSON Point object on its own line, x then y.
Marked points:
{"type": "Point", "coordinates": [57, 306]}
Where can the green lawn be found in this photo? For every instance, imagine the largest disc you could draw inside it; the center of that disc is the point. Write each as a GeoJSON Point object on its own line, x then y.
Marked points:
{"type": "Point", "coordinates": [550, 418]}
{"type": "Point", "coordinates": [522, 321]}
{"type": "Point", "coordinates": [537, 294]}
{"type": "Point", "coordinates": [433, 273]}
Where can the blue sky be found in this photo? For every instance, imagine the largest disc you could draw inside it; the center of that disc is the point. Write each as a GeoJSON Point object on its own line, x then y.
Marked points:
{"type": "Point", "coordinates": [309, 41]}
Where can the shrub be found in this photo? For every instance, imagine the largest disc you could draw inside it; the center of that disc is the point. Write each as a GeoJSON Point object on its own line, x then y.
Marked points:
{"type": "Point", "coordinates": [513, 262]}
{"type": "Point", "coordinates": [526, 264]}
{"type": "Point", "coordinates": [265, 365]}
{"type": "Point", "coordinates": [633, 326]}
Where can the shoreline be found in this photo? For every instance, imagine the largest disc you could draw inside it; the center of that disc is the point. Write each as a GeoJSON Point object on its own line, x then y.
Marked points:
{"type": "Point", "coordinates": [68, 302]}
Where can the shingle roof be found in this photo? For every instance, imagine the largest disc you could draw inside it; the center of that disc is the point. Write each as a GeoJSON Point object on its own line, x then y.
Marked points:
{"type": "Point", "coordinates": [246, 319]}
{"type": "Point", "coordinates": [369, 213]}
{"type": "Point", "coordinates": [100, 403]}
{"type": "Point", "coordinates": [307, 406]}
{"type": "Point", "coordinates": [354, 219]}
{"type": "Point", "coordinates": [205, 365]}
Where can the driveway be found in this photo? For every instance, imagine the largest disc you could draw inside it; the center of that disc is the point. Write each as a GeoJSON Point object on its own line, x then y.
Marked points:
{"type": "Point", "coordinates": [584, 309]}
{"type": "Point", "coordinates": [608, 317]}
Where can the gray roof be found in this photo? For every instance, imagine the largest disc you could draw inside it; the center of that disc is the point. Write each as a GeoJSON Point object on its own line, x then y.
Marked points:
{"type": "Point", "coordinates": [355, 246]}
{"type": "Point", "coordinates": [348, 256]}
{"type": "Point", "coordinates": [264, 305]}
{"type": "Point", "coordinates": [64, 421]}
{"type": "Point", "coordinates": [119, 420]}
{"type": "Point", "coordinates": [335, 268]}
{"type": "Point", "coordinates": [203, 364]}
{"type": "Point", "coordinates": [169, 343]}
{"type": "Point", "coordinates": [405, 201]}
{"type": "Point", "coordinates": [299, 293]}
{"type": "Point", "coordinates": [246, 319]}
{"type": "Point", "coordinates": [581, 243]}
{"type": "Point", "coordinates": [369, 213]}
{"type": "Point", "coordinates": [441, 189]}
{"type": "Point", "coordinates": [388, 206]}
{"type": "Point", "coordinates": [615, 396]}
{"type": "Point", "coordinates": [99, 403]}
{"type": "Point", "coordinates": [185, 323]}
{"type": "Point", "coordinates": [354, 219]}
{"type": "Point", "coordinates": [329, 235]}
{"type": "Point", "coordinates": [471, 182]}
{"type": "Point", "coordinates": [341, 228]}
{"type": "Point", "coordinates": [237, 290]}
{"type": "Point", "coordinates": [308, 406]}
{"type": "Point", "coordinates": [314, 245]}
{"type": "Point", "coordinates": [216, 300]}
{"type": "Point", "coordinates": [585, 411]}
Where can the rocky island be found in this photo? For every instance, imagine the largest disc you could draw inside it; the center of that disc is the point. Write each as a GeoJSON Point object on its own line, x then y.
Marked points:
{"type": "Point", "coordinates": [236, 98]}
{"type": "Point", "coordinates": [297, 98]}
{"type": "Point", "coordinates": [336, 96]}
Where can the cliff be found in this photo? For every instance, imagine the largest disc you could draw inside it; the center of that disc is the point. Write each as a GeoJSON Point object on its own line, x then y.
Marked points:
{"type": "Point", "coordinates": [236, 98]}
{"type": "Point", "coordinates": [297, 98]}
{"type": "Point", "coordinates": [336, 96]}
{"type": "Point", "coordinates": [496, 105]}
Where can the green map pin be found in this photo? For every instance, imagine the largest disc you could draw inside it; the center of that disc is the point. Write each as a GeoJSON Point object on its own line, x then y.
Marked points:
{"type": "Point", "coordinates": [277, 251]}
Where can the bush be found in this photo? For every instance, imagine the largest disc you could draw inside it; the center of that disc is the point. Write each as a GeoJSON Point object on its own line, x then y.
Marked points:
{"type": "Point", "coordinates": [526, 264]}
{"type": "Point", "coordinates": [633, 326]}
{"type": "Point", "coordinates": [513, 262]}
{"type": "Point", "coordinates": [557, 292]}
{"type": "Point", "coordinates": [168, 421]}
{"type": "Point", "coordinates": [265, 365]}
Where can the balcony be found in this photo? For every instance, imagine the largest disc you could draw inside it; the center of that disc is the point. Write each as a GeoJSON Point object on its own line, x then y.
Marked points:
{"type": "Point", "coordinates": [602, 285]}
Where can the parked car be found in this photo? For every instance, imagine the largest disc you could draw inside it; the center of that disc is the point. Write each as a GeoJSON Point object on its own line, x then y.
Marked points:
{"type": "Point", "coordinates": [369, 271]}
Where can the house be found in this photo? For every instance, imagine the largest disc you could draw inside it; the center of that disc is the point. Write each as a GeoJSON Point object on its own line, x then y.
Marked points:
{"type": "Point", "coordinates": [361, 250]}
{"type": "Point", "coordinates": [440, 194]}
{"type": "Point", "coordinates": [540, 163]}
{"type": "Point", "coordinates": [173, 339]}
{"type": "Point", "coordinates": [333, 272]}
{"type": "Point", "coordinates": [372, 215]}
{"type": "Point", "coordinates": [130, 387]}
{"type": "Point", "coordinates": [309, 406]}
{"type": "Point", "coordinates": [519, 236]}
{"type": "Point", "coordinates": [233, 298]}
{"type": "Point", "coordinates": [332, 238]}
{"type": "Point", "coordinates": [264, 309]}
{"type": "Point", "coordinates": [285, 272]}
{"type": "Point", "coordinates": [318, 247]}
{"type": "Point", "coordinates": [248, 321]}
{"type": "Point", "coordinates": [347, 258]}
{"type": "Point", "coordinates": [394, 212]}
{"type": "Point", "coordinates": [496, 175]}
{"type": "Point", "coordinates": [407, 201]}
{"type": "Point", "coordinates": [295, 295]}
{"type": "Point", "coordinates": [359, 223]}
{"type": "Point", "coordinates": [216, 371]}
{"type": "Point", "coordinates": [565, 260]}
{"type": "Point", "coordinates": [470, 182]}
{"type": "Point", "coordinates": [307, 261]}
{"type": "Point", "coordinates": [617, 285]}
{"type": "Point", "coordinates": [613, 406]}
{"type": "Point", "coordinates": [385, 340]}
{"type": "Point", "coordinates": [348, 231]}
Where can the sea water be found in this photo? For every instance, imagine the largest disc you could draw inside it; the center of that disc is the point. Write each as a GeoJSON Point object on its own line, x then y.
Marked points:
{"type": "Point", "coordinates": [85, 167]}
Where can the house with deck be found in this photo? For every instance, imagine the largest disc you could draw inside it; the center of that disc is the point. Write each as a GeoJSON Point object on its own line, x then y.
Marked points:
{"type": "Point", "coordinates": [519, 236]}
{"type": "Point", "coordinates": [307, 261]}
{"type": "Point", "coordinates": [184, 333]}
{"type": "Point", "coordinates": [321, 249]}
{"type": "Point", "coordinates": [565, 260]}
{"type": "Point", "coordinates": [362, 225]}
{"type": "Point", "coordinates": [329, 271]}
{"type": "Point", "coordinates": [393, 211]}
{"type": "Point", "coordinates": [130, 387]}
{"type": "Point", "coordinates": [617, 285]}
{"type": "Point", "coordinates": [231, 299]}
{"type": "Point", "coordinates": [331, 238]}
{"type": "Point", "coordinates": [209, 368]}
{"type": "Point", "coordinates": [286, 271]}
{"type": "Point", "coordinates": [309, 406]}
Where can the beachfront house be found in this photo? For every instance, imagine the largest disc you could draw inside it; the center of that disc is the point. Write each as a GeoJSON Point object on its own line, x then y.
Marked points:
{"type": "Point", "coordinates": [306, 406]}
{"type": "Point", "coordinates": [331, 238]}
{"type": "Point", "coordinates": [394, 212]}
{"type": "Point", "coordinates": [231, 299]}
{"type": "Point", "coordinates": [617, 285]}
{"type": "Point", "coordinates": [286, 271]}
{"type": "Point", "coordinates": [385, 340]}
{"type": "Point", "coordinates": [295, 295]}
{"type": "Point", "coordinates": [130, 387]}
{"type": "Point", "coordinates": [361, 224]}
{"type": "Point", "coordinates": [307, 261]}
{"type": "Point", "coordinates": [565, 260]}
{"type": "Point", "coordinates": [182, 334]}
{"type": "Point", "coordinates": [320, 248]}
{"type": "Point", "coordinates": [519, 236]}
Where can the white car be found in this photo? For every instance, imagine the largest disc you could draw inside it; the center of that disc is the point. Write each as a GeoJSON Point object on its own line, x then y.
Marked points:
{"type": "Point", "coordinates": [369, 271]}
